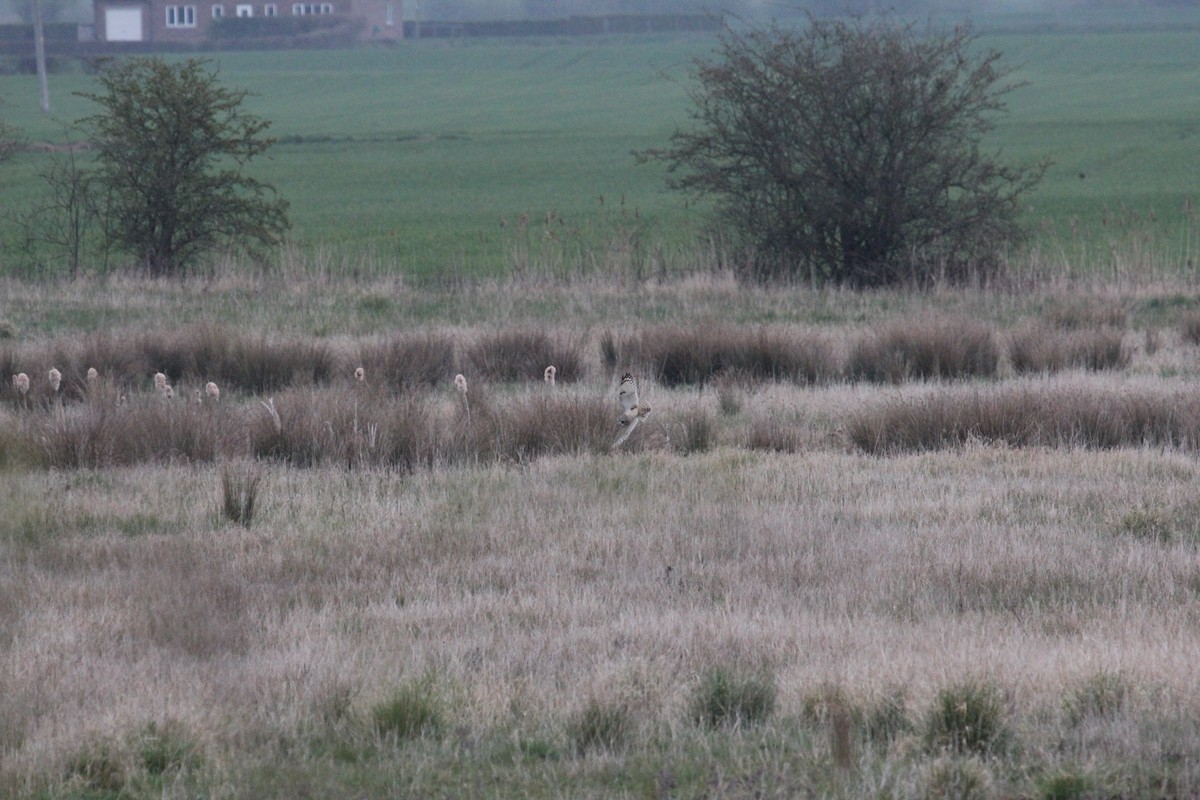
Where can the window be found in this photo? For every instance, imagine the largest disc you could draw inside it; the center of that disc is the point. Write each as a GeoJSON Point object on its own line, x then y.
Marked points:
{"type": "Point", "coordinates": [181, 16]}
{"type": "Point", "coordinates": [389, 15]}
{"type": "Point", "coordinates": [270, 10]}
{"type": "Point", "coordinates": [304, 9]}
{"type": "Point", "coordinates": [218, 11]}
{"type": "Point", "coordinates": [245, 10]}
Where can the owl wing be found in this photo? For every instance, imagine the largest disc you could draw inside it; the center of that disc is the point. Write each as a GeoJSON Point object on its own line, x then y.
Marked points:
{"type": "Point", "coordinates": [625, 434]}
{"type": "Point", "coordinates": [628, 395]}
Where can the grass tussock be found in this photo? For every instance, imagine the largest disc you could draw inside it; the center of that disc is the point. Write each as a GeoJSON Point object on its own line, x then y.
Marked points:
{"type": "Point", "coordinates": [147, 429]}
{"type": "Point", "coordinates": [954, 777]}
{"type": "Point", "coordinates": [552, 422]}
{"type": "Point", "coordinates": [1027, 416]}
{"type": "Point", "coordinates": [414, 710]}
{"type": "Point", "coordinates": [929, 348]}
{"type": "Point", "coordinates": [408, 362]}
{"type": "Point", "coordinates": [190, 356]}
{"type": "Point", "coordinates": [1043, 349]}
{"type": "Point", "coordinates": [239, 494]}
{"type": "Point", "coordinates": [601, 726]}
{"type": "Point", "coordinates": [696, 432]}
{"type": "Point", "coordinates": [727, 698]}
{"type": "Point", "coordinates": [1081, 314]}
{"type": "Point", "coordinates": [693, 355]}
{"type": "Point", "coordinates": [345, 427]}
{"type": "Point", "coordinates": [514, 355]}
{"type": "Point", "coordinates": [775, 434]}
{"type": "Point", "coordinates": [1189, 327]}
{"type": "Point", "coordinates": [1101, 696]}
{"type": "Point", "coordinates": [968, 718]}
{"type": "Point", "coordinates": [360, 430]}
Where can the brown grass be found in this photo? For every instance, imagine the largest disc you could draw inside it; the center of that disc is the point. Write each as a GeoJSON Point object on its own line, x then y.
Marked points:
{"type": "Point", "coordinates": [144, 430]}
{"type": "Point", "coordinates": [697, 354]}
{"type": "Point", "coordinates": [523, 355]}
{"type": "Point", "coordinates": [931, 348]}
{"type": "Point", "coordinates": [524, 589]}
{"type": "Point", "coordinates": [407, 362]}
{"type": "Point", "coordinates": [547, 611]}
{"type": "Point", "coordinates": [1190, 327]}
{"type": "Point", "coordinates": [1044, 349]}
{"type": "Point", "coordinates": [1087, 415]}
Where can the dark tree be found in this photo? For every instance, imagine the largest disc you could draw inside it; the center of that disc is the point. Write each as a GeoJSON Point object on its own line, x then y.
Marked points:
{"type": "Point", "coordinates": [10, 140]}
{"type": "Point", "coordinates": [852, 152]}
{"type": "Point", "coordinates": [172, 146]}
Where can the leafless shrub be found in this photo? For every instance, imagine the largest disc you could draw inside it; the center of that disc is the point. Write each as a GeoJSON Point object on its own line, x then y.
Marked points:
{"type": "Point", "coordinates": [925, 349]}
{"type": "Point", "coordinates": [1023, 417]}
{"type": "Point", "coordinates": [1043, 349]}
{"type": "Point", "coordinates": [522, 355]}
{"type": "Point", "coordinates": [406, 362]}
{"type": "Point", "coordinates": [677, 355]}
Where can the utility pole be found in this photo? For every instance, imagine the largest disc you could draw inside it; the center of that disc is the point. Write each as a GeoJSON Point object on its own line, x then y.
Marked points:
{"type": "Point", "coordinates": [39, 54]}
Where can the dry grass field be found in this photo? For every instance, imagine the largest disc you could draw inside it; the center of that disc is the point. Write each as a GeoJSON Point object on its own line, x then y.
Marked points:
{"type": "Point", "coordinates": [892, 545]}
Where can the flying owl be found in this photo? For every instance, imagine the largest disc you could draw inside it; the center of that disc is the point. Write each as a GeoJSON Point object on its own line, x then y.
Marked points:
{"type": "Point", "coordinates": [632, 409]}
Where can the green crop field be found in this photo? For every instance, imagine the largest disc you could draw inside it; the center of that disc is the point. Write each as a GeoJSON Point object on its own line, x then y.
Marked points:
{"type": "Point", "coordinates": [415, 158]}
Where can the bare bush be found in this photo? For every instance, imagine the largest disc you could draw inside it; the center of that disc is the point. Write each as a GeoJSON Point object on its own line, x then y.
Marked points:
{"type": "Point", "coordinates": [925, 349]}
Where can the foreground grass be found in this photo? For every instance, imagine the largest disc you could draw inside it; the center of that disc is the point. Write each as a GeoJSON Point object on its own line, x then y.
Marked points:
{"type": "Point", "coordinates": [149, 642]}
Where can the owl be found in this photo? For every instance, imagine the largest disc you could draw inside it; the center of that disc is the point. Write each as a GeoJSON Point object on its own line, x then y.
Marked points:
{"type": "Point", "coordinates": [632, 409]}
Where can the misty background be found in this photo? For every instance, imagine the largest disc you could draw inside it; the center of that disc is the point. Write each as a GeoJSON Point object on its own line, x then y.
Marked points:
{"type": "Point", "coordinates": [16, 11]}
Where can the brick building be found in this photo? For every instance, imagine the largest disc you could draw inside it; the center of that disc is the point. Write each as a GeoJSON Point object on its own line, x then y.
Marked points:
{"type": "Point", "coordinates": [196, 21]}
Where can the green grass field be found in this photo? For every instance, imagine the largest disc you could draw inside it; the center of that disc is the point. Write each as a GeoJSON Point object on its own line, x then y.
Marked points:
{"type": "Point", "coordinates": [410, 158]}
